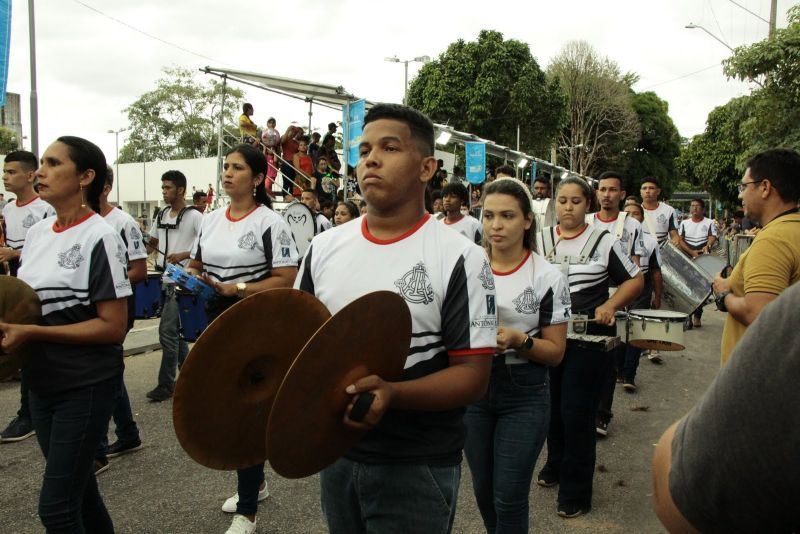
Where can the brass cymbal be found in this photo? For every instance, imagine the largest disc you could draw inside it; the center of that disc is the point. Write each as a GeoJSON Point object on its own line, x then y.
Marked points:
{"type": "Point", "coordinates": [19, 304]}
{"type": "Point", "coordinates": [306, 432]}
{"type": "Point", "coordinates": [226, 386]}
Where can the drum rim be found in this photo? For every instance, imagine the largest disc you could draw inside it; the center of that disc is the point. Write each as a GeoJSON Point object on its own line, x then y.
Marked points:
{"type": "Point", "coordinates": [656, 315]}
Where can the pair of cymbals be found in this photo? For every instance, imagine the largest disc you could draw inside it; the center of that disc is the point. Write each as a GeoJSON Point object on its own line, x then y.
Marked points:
{"type": "Point", "coordinates": [19, 304]}
{"type": "Point", "coordinates": [267, 379]}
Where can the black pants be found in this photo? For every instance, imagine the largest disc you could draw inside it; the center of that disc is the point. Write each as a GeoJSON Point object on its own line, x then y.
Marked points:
{"type": "Point", "coordinates": [69, 425]}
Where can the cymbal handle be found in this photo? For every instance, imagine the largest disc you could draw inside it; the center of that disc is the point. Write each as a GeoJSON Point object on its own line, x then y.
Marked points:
{"type": "Point", "coordinates": [361, 406]}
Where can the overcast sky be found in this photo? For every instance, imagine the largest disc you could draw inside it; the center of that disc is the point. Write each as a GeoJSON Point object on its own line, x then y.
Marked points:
{"type": "Point", "coordinates": [91, 66]}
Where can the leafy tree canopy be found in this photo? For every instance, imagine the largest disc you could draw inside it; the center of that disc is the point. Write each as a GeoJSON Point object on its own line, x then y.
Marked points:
{"type": "Point", "coordinates": [488, 87]}
{"type": "Point", "coordinates": [179, 118]}
{"type": "Point", "coordinates": [9, 141]}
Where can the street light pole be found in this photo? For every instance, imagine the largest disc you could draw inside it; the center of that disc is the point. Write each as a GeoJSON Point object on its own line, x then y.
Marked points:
{"type": "Point", "coordinates": [405, 62]}
{"type": "Point", "coordinates": [34, 97]}
{"type": "Point", "coordinates": [116, 171]}
{"type": "Point", "coordinates": [693, 26]}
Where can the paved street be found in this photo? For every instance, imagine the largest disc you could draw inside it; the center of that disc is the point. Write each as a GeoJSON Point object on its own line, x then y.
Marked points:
{"type": "Point", "coordinates": [159, 489]}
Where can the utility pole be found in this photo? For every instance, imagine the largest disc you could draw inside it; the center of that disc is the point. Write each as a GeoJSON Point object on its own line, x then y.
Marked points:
{"type": "Point", "coordinates": [34, 96]}
{"type": "Point", "coordinates": [773, 17]}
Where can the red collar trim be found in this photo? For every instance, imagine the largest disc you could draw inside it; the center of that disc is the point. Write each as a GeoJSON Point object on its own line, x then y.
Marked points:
{"type": "Point", "coordinates": [109, 211]}
{"type": "Point", "coordinates": [597, 216]}
{"type": "Point", "coordinates": [412, 230]}
{"type": "Point", "coordinates": [558, 231]}
{"type": "Point", "coordinates": [228, 213]}
{"type": "Point", "coordinates": [652, 209]}
{"type": "Point", "coordinates": [454, 222]}
{"type": "Point", "coordinates": [26, 203]}
{"type": "Point", "coordinates": [57, 229]}
{"type": "Point", "coordinates": [515, 269]}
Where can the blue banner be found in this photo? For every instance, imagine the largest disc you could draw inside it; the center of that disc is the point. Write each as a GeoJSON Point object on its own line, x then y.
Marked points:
{"type": "Point", "coordinates": [5, 45]}
{"type": "Point", "coordinates": [354, 127]}
{"type": "Point", "coordinates": [476, 162]}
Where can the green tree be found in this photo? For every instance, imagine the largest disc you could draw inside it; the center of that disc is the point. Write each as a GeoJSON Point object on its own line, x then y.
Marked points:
{"type": "Point", "coordinates": [601, 120]}
{"type": "Point", "coordinates": [9, 141]}
{"type": "Point", "coordinates": [179, 119]}
{"type": "Point", "coordinates": [488, 87]}
{"type": "Point", "coordinates": [658, 146]}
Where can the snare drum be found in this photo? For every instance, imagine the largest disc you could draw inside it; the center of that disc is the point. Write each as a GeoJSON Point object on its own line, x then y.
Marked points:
{"type": "Point", "coordinates": [147, 296]}
{"type": "Point", "coordinates": [191, 309]}
{"type": "Point", "coordinates": [588, 341]}
{"type": "Point", "coordinates": [656, 329]}
{"type": "Point", "coordinates": [686, 285]}
{"type": "Point", "coordinates": [711, 264]}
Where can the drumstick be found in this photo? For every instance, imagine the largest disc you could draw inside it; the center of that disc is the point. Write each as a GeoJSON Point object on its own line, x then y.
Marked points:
{"type": "Point", "coordinates": [585, 320]}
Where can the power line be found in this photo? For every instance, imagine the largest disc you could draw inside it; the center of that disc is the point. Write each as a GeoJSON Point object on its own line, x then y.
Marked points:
{"type": "Point", "coordinates": [150, 35]}
{"type": "Point", "coordinates": [681, 77]}
{"type": "Point", "coordinates": [719, 27]}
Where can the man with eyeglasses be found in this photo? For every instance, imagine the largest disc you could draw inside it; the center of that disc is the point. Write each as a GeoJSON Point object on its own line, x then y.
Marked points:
{"type": "Point", "coordinates": [770, 191]}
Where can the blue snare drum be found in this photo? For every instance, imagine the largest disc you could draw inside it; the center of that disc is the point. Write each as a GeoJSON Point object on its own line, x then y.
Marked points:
{"type": "Point", "coordinates": [192, 312]}
{"type": "Point", "coordinates": [147, 296]}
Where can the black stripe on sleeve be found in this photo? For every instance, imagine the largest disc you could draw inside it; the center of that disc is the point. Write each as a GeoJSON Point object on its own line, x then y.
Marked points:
{"type": "Point", "coordinates": [266, 241]}
{"type": "Point", "coordinates": [455, 310]}
{"type": "Point", "coordinates": [101, 280]}
{"type": "Point", "coordinates": [478, 237]}
{"type": "Point", "coordinates": [546, 309]}
{"type": "Point", "coordinates": [616, 268]}
{"type": "Point", "coordinates": [306, 280]}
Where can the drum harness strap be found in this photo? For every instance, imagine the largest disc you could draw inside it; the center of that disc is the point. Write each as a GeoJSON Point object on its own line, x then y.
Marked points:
{"type": "Point", "coordinates": [167, 227]}
{"type": "Point", "coordinates": [618, 229]}
{"type": "Point", "coordinates": [549, 244]}
{"type": "Point", "coordinates": [649, 221]}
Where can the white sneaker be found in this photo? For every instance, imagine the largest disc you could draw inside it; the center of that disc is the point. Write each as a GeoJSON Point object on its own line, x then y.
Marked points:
{"type": "Point", "coordinates": [655, 357]}
{"type": "Point", "coordinates": [229, 506]}
{"type": "Point", "coordinates": [241, 525]}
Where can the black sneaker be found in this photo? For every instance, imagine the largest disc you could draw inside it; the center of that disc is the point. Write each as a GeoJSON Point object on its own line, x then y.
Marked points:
{"type": "Point", "coordinates": [546, 480]}
{"type": "Point", "coordinates": [601, 427]}
{"type": "Point", "coordinates": [160, 393]}
{"type": "Point", "coordinates": [100, 465]}
{"type": "Point", "coordinates": [629, 385]}
{"type": "Point", "coordinates": [568, 510]}
{"type": "Point", "coordinates": [123, 447]}
{"type": "Point", "coordinates": [18, 429]}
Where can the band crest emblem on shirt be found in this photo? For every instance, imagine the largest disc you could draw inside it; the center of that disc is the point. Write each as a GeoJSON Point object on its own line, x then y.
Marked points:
{"type": "Point", "coordinates": [71, 259]}
{"type": "Point", "coordinates": [247, 241]}
{"type": "Point", "coordinates": [121, 254]}
{"type": "Point", "coordinates": [285, 242]}
{"type": "Point", "coordinates": [415, 286]}
{"type": "Point", "coordinates": [485, 276]}
{"type": "Point", "coordinates": [564, 296]}
{"type": "Point", "coordinates": [136, 237]}
{"type": "Point", "coordinates": [526, 302]}
{"type": "Point", "coordinates": [28, 221]}
{"type": "Point", "coordinates": [661, 219]}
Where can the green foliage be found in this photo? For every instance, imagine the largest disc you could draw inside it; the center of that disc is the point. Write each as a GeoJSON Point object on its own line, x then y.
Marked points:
{"type": "Point", "coordinates": [9, 141]}
{"type": "Point", "coordinates": [179, 119]}
{"type": "Point", "coordinates": [658, 146]}
{"type": "Point", "coordinates": [488, 87]}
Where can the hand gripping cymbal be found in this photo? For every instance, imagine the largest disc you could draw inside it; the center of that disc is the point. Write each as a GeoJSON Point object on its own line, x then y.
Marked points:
{"type": "Point", "coordinates": [369, 336]}
{"type": "Point", "coordinates": [19, 304]}
{"type": "Point", "coordinates": [227, 384]}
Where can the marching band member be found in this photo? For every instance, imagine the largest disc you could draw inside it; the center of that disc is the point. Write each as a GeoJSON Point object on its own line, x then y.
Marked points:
{"type": "Point", "coordinates": [697, 235]}
{"type": "Point", "coordinates": [454, 197]}
{"type": "Point", "coordinates": [19, 173]}
{"type": "Point", "coordinates": [241, 250]}
{"type": "Point", "coordinates": [76, 262]}
{"type": "Point", "coordinates": [403, 476]}
{"type": "Point", "coordinates": [507, 428]}
{"type": "Point", "coordinates": [592, 259]}
{"type": "Point", "coordinates": [660, 219]}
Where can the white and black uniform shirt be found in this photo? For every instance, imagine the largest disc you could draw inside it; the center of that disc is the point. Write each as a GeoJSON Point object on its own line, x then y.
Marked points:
{"type": "Point", "coordinates": [322, 223]}
{"type": "Point", "coordinates": [71, 269]}
{"type": "Point", "coordinates": [589, 283]}
{"type": "Point", "coordinates": [245, 249]}
{"type": "Point", "coordinates": [449, 288]}
{"type": "Point", "coordinates": [532, 296]}
{"type": "Point", "coordinates": [651, 255]}
{"type": "Point", "coordinates": [468, 226]}
{"type": "Point", "coordinates": [20, 218]}
{"type": "Point", "coordinates": [172, 239]}
{"type": "Point", "coordinates": [663, 220]}
{"type": "Point", "coordinates": [128, 229]}
{"type": "Point", "coordinates": [629, 237]}
{"type": "Point", "coordinates": [696, 233]}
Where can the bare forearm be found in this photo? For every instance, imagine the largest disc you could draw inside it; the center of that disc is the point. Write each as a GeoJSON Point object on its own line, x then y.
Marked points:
{"type": "Point", "coordinates": [454, 387]}
{"type": "Point", "coordinates": [95, 331]}
{"type": "Point", "coordinates": [627, 292]}
{"type": "Point", "coordinates": [658, 283]}
{"type": "Point", "coordinates": [137, 271]}
{"type": "Point", "coordinates": [283, 279]}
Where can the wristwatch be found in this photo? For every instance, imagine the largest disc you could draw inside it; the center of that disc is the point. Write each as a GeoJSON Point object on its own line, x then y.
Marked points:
{"type": "Point", "coordinates": [527, 345]}
{"type": "Point", "coordinates": [720, 300]}
{"type": "Point", "coordinates": [241, 287]}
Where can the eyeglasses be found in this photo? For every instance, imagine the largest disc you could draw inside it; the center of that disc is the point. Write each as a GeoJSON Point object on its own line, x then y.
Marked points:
{"type": "Point", "coordinates": [742, 186]}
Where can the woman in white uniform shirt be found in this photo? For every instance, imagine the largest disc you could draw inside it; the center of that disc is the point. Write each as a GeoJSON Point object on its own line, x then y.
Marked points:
{"type": "Point", "coordinates": [507, 428]}
{"type": "Point", "coordinates": [241, 250]}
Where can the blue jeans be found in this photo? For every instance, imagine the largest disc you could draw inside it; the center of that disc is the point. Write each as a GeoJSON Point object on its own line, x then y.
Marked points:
{"type": "Point", "coordinates": [126, 429]}
{"type": "Point", "coordinates": [574, 392]}
{"type": "Point", "coordinates": [249, 481]}
{"type": "Point", "coordinates": [362, 498]}
{"type": "Point", "coordinates": [69, 425]}
{"type": "Point", "coordinates": [506, 430]}
{"type": "Point", "coordinates": [173, 349]}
